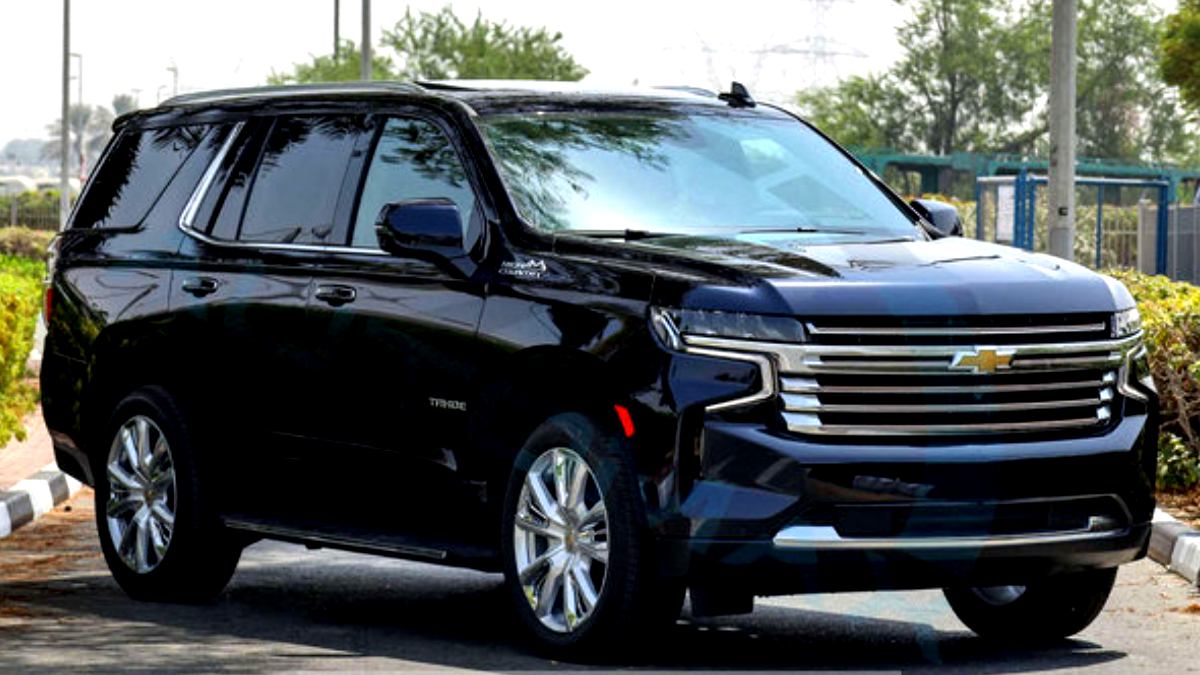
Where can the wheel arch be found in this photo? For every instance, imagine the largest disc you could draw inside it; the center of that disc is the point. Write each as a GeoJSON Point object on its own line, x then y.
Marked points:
{"type": "Point", "coordinates": [124, 358]}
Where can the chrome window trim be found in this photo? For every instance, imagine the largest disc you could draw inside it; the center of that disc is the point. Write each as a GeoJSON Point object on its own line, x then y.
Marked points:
{"type": "Point", "coordinates": [188, 215]}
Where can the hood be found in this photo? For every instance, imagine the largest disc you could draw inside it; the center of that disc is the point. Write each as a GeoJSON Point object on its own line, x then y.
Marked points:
{"type": "Point", "coordinates": [793, 275]}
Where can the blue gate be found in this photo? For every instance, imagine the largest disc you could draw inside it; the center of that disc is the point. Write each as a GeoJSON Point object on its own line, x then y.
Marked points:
{"type": "Point", "coordinates": [1024, 208]}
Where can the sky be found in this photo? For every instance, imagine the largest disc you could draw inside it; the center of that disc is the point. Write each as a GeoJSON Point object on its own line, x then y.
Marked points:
{"type": "Point", "coordinates": [127, 46]}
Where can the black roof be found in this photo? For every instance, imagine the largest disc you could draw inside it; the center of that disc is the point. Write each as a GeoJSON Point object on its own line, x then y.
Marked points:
{"type": "Point", "coordinates": [479, 94]}
{"type": "Point", "coordinates": [483, 97]}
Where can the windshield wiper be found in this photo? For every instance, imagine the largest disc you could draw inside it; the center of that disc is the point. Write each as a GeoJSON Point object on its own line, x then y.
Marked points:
{"type": "Point", "coordinates": [628, 235]}
{"type": "Point", "coordinates": [802, 229]}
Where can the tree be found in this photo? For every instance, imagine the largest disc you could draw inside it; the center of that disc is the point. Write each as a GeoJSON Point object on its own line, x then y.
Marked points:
{"type": "Point", "coordinates": [964, 71]}
{"type": "Point", "coordinates": [124, 103]}
{"type": "Point", "coordinates": [1180, 51]}
{"type": "Point", "coordinates": [88, 130]}
{"type": "Point", "coordinates": [975, 77]}
{"type": "Point", "coordinates": [438, 45]}
{"type": "Point", "coordinates": [970, 68]}
{"type": "Point", "coordinates": [865, 112]}
{"type": "Point", "coordinates": [343, 68]}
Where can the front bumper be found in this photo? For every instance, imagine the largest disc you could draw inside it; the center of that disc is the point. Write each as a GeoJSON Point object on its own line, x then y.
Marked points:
{"type": "Point", "coordinates": [766, 568]}
{"type": "Point", "coordinates": [774, 513]}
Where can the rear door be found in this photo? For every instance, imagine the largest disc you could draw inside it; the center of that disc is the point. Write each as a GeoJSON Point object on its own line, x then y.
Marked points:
{"type": "Point", "coordinates": [395, 344]}
{"type": "Point", "coordinates": [254, 235]}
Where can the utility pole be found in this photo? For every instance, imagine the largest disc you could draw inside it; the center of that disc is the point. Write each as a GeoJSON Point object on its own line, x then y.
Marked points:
{"type": "Point", "coordinates": [64, 181]}
{"type": "Point", "coordinates": [365, 66]}
{"type": "Point", "coordinates": [1062, 130]}
{"type": "Point", "coordinates": [337, 16]}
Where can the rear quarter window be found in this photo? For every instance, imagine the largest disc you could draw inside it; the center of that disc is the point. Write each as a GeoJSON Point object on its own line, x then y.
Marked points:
{"type": "Point", "coordinates": [136, 168]}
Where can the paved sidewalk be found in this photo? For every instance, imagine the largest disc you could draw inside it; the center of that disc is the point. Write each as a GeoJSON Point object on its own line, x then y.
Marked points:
{"type": "Point", "coordinates": [21, 459]}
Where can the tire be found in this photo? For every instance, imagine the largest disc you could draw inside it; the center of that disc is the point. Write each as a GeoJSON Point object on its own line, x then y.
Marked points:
{"type": "Point", "coordinates": [1051, 609]}
{"type": "Point", "coordinates": [161, 537]}
{"type": "Point", "coordinates": [629, 600]}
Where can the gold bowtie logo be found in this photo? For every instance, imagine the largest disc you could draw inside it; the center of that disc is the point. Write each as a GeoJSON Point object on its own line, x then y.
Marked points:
{"type": "Point", "coordinates": [984, 360]}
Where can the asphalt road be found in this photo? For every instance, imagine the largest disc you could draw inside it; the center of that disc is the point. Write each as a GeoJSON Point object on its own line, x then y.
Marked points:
{"type": "Point", "coordinates": [291, 609]}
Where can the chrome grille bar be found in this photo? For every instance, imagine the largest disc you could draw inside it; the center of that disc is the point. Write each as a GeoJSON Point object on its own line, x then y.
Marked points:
{"type": "Point", "coordinates": [802, 423]}
{"type": "Point", "coordinates": [805, 403]}
{"type": "Point", "coordinates": [944, 331]}
{"type": "Point", "coordinates": [902, 359]}
{"type": "Point", "coordinates": [805, 385]}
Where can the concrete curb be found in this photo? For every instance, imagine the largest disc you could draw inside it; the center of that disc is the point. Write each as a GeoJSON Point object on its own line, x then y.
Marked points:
{"type": "Point", "coordinates": [1176, 546]}
{"type": "Point", "coordinates": [26, 501]}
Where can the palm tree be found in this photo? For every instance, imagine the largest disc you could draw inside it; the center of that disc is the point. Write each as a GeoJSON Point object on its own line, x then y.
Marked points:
{"type": "Point", "coordinates": [88, 130]}
{"type": "Point", "coordinates": [124, 103]}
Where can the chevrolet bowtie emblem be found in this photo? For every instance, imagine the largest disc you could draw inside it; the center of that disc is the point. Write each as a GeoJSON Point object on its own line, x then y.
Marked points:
{"type": "Point", "coordinates": [983, 360]}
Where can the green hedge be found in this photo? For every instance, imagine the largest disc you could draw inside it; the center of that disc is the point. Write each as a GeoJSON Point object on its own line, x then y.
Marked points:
{"type": "Point", "coordinates": [1171, 319]}
{"type": "Point", "coordinates": [34, 209]}
{"type": "Point", "coordinates": [20, 300]}
{"type": "Point", "coordinates": [26, 242]}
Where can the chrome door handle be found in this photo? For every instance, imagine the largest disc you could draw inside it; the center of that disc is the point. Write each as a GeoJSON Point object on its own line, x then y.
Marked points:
{"type": "Point", "coordinates": [335, 294]}
{"type": "Point", "coordinates": [200, 286]}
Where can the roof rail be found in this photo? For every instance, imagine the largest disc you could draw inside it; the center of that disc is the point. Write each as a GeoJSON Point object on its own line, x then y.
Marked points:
{"type": "Point", "coordinates": [698, 91]}
{"type": "Point", "coordinates": [288, 90]}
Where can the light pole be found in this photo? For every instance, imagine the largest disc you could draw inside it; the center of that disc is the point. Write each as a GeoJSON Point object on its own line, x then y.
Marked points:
{"type": "Point", "coordinates": [79, 84]}
{"type": "Point", "coordinates": [365, 67]}
{"type": "Point", "coordinates": [64, 181]}
{"type": "Point", "coordinates": [174, 70]}
{"type": "Point", "coordinates": [337, 15]}
{"type": "Point", "coordinates": [1062, 131]}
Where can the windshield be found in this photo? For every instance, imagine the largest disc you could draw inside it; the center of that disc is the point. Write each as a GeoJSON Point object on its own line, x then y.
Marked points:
{"type": "Point", "coordinates": [695, 173]}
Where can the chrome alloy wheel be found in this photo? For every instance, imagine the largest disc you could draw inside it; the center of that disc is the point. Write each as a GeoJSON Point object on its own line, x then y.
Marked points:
{"type": "Point", "coordinates": [141, 494]}
{"type": "Point", "coordinates": [560, 538]}
{"type": "Point", "coordinates": [998, 595]}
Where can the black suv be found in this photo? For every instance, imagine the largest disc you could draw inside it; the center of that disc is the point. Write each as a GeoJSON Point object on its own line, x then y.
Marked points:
{"type": "Point", "coordinates": [616, 345]}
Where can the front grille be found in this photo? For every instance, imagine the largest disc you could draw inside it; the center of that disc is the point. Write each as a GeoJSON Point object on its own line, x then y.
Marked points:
{"type": "Point", "coordinates": [948, 378]}
{"type": "Point", "coordinates": [993, 330]}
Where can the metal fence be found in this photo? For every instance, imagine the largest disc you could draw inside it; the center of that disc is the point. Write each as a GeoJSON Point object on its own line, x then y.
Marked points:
{"type": "Point", "coordinates": [1110, 218]}
{"type": "Point", "coordinates": [41, 216]}
{"type": "Point", "coordinates": [1182, 240]}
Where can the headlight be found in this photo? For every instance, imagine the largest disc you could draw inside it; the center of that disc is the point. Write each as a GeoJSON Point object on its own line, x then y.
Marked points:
{"type": "Point", "coordinates": [672, 325]}
{"type": "Point", "coordinates": [1126, 322]}
{"type": "Point", "coordinates": [734, 325]}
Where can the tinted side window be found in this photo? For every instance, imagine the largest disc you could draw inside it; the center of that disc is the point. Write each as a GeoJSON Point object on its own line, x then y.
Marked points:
{"type": "Point", "coordinates": [413, 159]}
{"type": "Point", "coordinates": [136, 168]}
{"type": "Point", "coordinates": [224, 208]}
{"type": "Point", "coordinates": [295, 192]}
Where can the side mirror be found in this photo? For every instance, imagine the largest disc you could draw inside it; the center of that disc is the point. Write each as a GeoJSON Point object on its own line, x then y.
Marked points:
{"type": "Point", "coordinates": [942, 216]}
{"type": "Point", "coordinates": [421, 228]}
